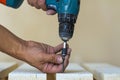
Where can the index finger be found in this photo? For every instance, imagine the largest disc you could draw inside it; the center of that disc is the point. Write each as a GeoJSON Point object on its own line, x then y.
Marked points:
{"type": "Point", "coordinates": [58, 48]}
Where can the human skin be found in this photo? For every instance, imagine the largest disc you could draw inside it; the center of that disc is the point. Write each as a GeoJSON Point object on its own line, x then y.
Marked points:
{"type": "Point", "coordinates": [42, 56]}
{"type": "Point", "coordinates": [40, 4]}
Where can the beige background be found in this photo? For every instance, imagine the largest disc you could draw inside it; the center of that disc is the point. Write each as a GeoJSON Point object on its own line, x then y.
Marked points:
{"type": "Point", "coordinates": [97, 31]}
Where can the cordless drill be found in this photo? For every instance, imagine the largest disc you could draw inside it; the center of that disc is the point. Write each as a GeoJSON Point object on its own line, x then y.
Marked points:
{"type": "Point", "coordinates": [12, 3]}
{"type": "Point", "coordinates": [67, 15]}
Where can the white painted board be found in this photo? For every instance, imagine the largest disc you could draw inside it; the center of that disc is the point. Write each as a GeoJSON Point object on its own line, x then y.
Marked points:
{"type": "Point", "coordinates": [103, 71]}
{"type": "Point", "coordinates": [74, 72]}
{"type": "Point", "coordinates": [27, 72]}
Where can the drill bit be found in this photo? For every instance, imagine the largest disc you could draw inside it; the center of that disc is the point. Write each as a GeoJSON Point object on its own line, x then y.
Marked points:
{"type": "Point", "coordinates": [63, 68]}
{"type": "Point", "coordinates": [64, 53]}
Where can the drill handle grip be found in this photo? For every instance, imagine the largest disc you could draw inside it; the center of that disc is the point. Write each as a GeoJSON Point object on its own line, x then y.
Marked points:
{"type": "Point", "coordinates": [51, 7]}
{"type": "Point", "coordinates": [12, 3]}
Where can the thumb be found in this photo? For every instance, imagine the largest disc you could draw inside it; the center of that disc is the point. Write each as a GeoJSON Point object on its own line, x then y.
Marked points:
{"type": "Point", "coordinates": [50, 12]}
{"type": "Point", "coordinates": [53, 58]}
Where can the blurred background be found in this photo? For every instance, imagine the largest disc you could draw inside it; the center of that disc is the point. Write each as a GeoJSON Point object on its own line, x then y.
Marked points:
{"type": "Point", "coordinates": [96, 37]}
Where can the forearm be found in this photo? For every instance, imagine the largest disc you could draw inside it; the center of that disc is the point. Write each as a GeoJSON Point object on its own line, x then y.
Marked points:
{"type": "Point", "coordinates": [9, 43]}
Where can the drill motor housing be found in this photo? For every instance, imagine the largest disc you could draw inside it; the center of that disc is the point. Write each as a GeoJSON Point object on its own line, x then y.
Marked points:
{"type": "Point", "coordinates": [67, 15]}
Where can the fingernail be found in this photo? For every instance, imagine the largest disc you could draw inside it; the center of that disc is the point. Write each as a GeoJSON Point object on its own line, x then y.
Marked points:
{"type": "Point", "coordinates": [59, 60]}
{"type": "Point", "coordinates": [48, 12]}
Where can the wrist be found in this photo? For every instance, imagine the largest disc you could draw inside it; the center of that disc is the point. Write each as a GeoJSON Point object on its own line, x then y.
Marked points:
{"type": "Point", "coordinates": [19, 51]}
{"type": "Point", "coordinates": [24, 52]}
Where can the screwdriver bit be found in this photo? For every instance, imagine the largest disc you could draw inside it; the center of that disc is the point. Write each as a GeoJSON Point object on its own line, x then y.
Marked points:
{"type": "Point", "coordinates": [64, 53]}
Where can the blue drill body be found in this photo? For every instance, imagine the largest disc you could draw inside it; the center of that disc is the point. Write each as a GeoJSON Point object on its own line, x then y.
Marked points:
{"type": "Point", "coordinates": [64, 6]}
{"type": "Point", "coordinates": [67, 15]}
{"type": "Point", "coordinates": [14, 3]}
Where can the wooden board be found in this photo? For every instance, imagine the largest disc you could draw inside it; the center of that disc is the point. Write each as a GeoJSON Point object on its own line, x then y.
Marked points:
{"type": "Point", "coordinates": [27, 72]}
{"type": "Point", "coordinates": [5, 68]}
{"type": "Point", "coordinates": [103, 71]}
{"type": "Point", "coordinates": [74, 72]}
{"type": "Point", "coordinates": [4, 78]}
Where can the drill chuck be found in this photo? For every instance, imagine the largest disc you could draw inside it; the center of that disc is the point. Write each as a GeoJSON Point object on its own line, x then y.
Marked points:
{"type": "Point", "coordinates": [66, 31]}
{"type": "Point", "coordinates": [66, 26]}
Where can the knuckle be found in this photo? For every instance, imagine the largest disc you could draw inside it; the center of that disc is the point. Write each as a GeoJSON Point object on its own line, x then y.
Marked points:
{"type": "Point", "coordinates": [35, 2]}
{"type": "Point", "coordinates": [37, 7]}
{"type": "Point", "coordinates": [30, 2]}
{"type": "Point", "coordinates": [41, 1]}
